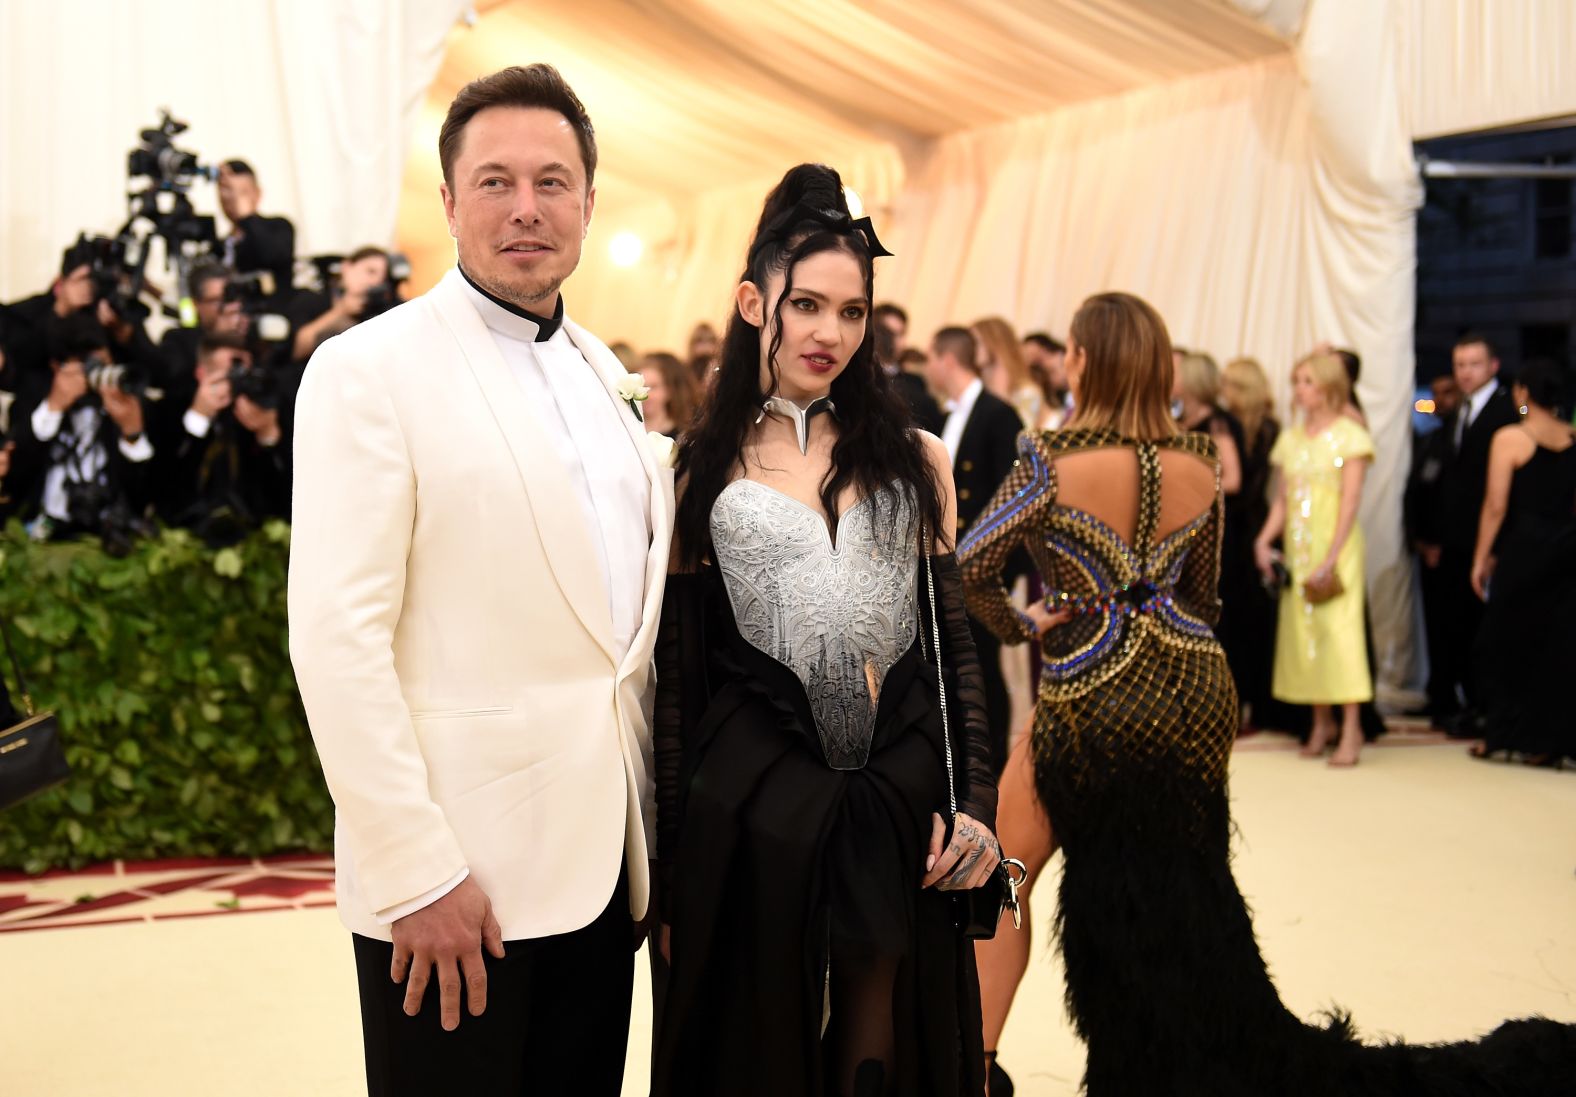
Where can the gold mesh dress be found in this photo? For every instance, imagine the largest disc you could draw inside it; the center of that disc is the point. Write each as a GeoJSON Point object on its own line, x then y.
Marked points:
{"type": "Point", "coordinates": [1133, 729]}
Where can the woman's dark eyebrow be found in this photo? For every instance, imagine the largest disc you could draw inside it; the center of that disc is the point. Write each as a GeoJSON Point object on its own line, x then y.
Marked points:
{"type": "Point", "coordinates": [823, 297]}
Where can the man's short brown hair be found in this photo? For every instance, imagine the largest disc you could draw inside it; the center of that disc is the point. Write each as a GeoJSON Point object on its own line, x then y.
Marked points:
{"type": "Point", "coordinates": [960, 343]}
{"type": "Point", "coordinates": [532, 86]}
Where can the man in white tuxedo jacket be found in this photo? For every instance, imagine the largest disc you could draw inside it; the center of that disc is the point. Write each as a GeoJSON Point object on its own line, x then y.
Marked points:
{"type": "Point", "coordinates": [480, 537]}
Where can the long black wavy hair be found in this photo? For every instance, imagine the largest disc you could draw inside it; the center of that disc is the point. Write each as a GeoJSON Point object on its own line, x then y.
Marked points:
{"type": "Point", "coordinates": [876, 447]}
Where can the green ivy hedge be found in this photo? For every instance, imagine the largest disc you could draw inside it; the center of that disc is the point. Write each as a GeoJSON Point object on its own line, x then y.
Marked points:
{"type": "Point", "coordinates": [170, 671]}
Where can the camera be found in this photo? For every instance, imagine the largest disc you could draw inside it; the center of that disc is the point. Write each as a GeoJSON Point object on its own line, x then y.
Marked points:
{"type": "Point", "coordinates": [117, 279]}
{"type": "Point", "coordinates": [128, 379]}
{"type": "Point", "coordinates": [385, 295]}
{"type": "Point", "coordinates": [163, 203]}
{"type": "Point", "coordinates": [380, 298]}
{"type": "Point", "coordinates": [158, 159]}
{"type": "Point", "coordinates": [257, 383]}
{"type": "Point", "coordinates": [255, 294]}
{"type": "Point", "coordinates": [94, 508]}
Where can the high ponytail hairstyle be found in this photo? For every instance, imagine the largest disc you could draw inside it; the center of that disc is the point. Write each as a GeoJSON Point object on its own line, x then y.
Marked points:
{"type": "Point", "coordinates": [877, 446]}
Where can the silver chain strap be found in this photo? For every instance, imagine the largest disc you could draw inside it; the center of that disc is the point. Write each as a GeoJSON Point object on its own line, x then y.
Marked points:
{"type": "Point", "coordinates": [941, 683]}
{"type": "Point", "coordinates": [1016, 872]}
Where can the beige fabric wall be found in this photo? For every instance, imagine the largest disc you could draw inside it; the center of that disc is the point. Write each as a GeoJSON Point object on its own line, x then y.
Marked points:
{"type": "Point", "coordinates": [1479, 64]}
{"type": "Point", "coordinates": [316, 94]}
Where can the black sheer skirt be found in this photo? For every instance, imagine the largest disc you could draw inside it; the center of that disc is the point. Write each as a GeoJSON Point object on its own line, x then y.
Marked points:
{"type": "Point", "coordinates": [806, 959]}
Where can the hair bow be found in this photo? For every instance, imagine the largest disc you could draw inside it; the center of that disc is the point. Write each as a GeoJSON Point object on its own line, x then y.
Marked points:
{"type": "Point", "coordinates": [835, 220]}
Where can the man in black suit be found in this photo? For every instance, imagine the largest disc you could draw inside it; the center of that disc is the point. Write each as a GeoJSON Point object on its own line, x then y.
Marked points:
{"type": "Point", "coordinates": [223, 460]}
{"type": "Point", "coordinates": [921, 405]}
{"type": "Point", "coordinates": [981, 436]}
{"type": "Point", "coordinates": [72, 301]}
{"type": "Point", "coordinates": [1432, 454]}
{"type": "Point", "coordinates": [1486, 406]}
{"type": "Point", "coordinates": [256, 243]}
{"type": "Point", "coordinates": [82, 459]}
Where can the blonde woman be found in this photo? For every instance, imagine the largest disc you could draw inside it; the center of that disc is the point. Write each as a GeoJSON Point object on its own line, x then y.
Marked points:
{"type": "Point", "coordinates": [1004, 370]}
{"type": "Point", "coordinates": [1321, 657]}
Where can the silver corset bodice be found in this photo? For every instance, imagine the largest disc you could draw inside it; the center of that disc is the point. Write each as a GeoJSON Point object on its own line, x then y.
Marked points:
{"type": "Point", "coordinates": [838, 616]}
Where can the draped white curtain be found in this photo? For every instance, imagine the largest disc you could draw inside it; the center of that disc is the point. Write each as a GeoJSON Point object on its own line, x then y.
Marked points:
{"type": "Point", "coordinates": [1479, 64]}
{"type": "Point", "coordinates": [317, 95]}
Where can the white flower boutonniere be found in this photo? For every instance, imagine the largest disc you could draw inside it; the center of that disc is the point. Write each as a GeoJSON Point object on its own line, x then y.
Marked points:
{"type": "Point", "coordinates": [632, 390]}
{"type": "Point", "coordinates": [662, 448]}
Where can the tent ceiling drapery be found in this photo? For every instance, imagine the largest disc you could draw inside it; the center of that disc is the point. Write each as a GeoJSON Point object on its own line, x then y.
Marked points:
{"type": "Point", "coordinates": [713, 92]}
{"type": "Point", "coordinates": [695, 96]}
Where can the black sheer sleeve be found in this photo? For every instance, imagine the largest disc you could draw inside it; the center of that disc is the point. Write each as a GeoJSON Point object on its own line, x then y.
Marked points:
{"type": "Point", "coordinates": [1198, 587]}
{"type": "Point", "coordinates": [966, 701]}
{"type": "Point", "coordinates": [678, 658]}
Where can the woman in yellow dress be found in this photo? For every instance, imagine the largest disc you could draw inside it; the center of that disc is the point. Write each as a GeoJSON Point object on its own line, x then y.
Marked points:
{"type": "Point", "coordinates": [1320, 655]}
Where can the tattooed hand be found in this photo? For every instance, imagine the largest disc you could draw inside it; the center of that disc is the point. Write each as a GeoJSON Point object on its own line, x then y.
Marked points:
{"type": "Point", "coordinates": [969, 858]}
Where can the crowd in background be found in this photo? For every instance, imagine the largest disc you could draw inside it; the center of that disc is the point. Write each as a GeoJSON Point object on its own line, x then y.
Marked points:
{"type": "Point", "coordinates": [109, 432]}
{"type": "Point", "coordinates": [117, 416]}
{"type": "Point", "coordinates": [1292, 480]}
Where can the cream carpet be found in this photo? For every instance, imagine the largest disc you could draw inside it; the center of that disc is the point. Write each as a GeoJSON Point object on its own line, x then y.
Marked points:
{"type": "Point", "coordinates": [1430, 894]}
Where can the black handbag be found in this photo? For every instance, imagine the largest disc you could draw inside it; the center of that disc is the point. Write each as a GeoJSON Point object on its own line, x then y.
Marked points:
{"type": "Point", "coordinates": [32, 757]}
{"type": "Point", "coordinates": [978, 911]}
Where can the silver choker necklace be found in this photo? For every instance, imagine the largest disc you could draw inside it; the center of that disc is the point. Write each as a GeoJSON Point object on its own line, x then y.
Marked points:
{"type": "Point", "coordinates": [800, 417]}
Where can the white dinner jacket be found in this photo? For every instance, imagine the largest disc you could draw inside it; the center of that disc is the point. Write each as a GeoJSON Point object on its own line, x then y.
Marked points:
{"type": "Point", "coordinates": [450, 629]}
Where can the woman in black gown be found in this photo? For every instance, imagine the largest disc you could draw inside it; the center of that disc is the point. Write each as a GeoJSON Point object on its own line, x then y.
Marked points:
{"type": "Point", "coordinates": [1133, 729]}
{"type": "Point", "coordinates": [802, 759]}
{"type": "Point", "coordinates": [1525, 567]}
{"type": "Point", "coordinates": [1197, 390]}
{"type": "Point", "coordinates": [1245, 392]}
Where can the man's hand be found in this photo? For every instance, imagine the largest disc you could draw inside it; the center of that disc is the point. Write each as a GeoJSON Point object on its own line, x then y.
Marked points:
{"type": "Point", "coordinates": [213, 396]}
{"type": "Point", "coordinates": [262, 422]}
{"type": "Point", "coordinates": [124, 408]}
{"type": "Point", "coordinates": [447, 937]}
{"type": "Point", "coordinates": [238, 194]}
{"type": "Point", "coordinates": [69, 386]}
{"type": "Point", "coordinates": [350, 305]}
{"type": "Point", "coordinates": [5, 460]}
{"type": "Point", "coordinates": [968, 859]}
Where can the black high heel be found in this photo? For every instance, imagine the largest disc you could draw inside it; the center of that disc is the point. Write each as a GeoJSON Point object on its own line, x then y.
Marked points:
{"type": "Point", "coordinates": [999, 1081]}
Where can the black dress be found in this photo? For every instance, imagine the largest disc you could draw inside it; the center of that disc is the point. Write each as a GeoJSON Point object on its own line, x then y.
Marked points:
{"type": "Point", "coordinates": [1239, 577]}
{"type": "Point", "coordinates": [797, 770]}
{"type": "Point", "coordinates": [1526, 645]}
{"type": "Point", "coordinates": [1133, 731]}
{"type": "Point", "coordinates": [1255, 667]}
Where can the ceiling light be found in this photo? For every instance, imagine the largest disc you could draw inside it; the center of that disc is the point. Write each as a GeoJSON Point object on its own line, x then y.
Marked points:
{"type": "Point", "coordinates": [626, 249]}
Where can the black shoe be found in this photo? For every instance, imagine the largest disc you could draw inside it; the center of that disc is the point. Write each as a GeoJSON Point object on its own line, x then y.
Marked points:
{"type": "Point", "coordinates": [1467, 725]}
{"type": "Point", "coordinates": [1000, 1083]}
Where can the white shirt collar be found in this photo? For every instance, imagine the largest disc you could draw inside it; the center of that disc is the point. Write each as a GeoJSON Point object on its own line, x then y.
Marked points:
{"type": "Point", "coordinates": [499, 319]}
{"type": "Point", "coordinates": [1479, 399]}
{"type": "Point", "coordinates": [965, 401]}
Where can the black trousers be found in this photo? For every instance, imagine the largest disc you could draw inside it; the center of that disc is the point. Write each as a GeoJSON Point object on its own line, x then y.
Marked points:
{"type": "Point", "coordinates": [557, 1019]}
{"type": "Point", "coordinates": [998, 705]}
{"type": "Point", "coordinates": [1453, 621]}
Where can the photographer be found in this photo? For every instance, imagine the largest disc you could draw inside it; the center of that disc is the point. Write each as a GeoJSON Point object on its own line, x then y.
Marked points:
{"type": "Point", "coordinates": [74, 296]}
{"type": "Point", "coordinates": [224, 463]}
{"type": "Point", "coordinates": [219, 312]}
{"type": "Point", "coordinates": [82, 459]}
{"type": "Point", "coordinates": [361, 290]}
{"type": "Point", "coordinates": [255, 243]}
